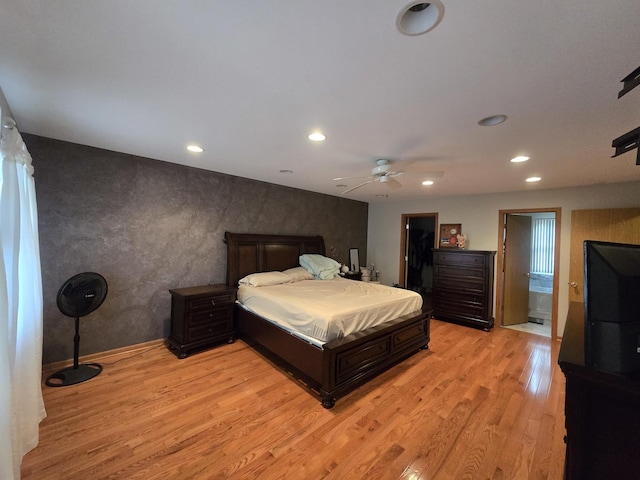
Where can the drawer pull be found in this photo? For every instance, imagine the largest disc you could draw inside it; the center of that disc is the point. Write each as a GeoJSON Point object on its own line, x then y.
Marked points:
{"type": "Point", "coordinates": [211, 315]}
{"type": "Point", "coordinates": [213, 302]}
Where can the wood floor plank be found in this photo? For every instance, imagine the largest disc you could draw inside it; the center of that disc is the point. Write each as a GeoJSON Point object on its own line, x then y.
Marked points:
{"type": "Point", "coordinates": [475, 405]}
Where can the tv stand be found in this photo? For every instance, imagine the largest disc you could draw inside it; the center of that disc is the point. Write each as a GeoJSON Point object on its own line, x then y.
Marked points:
{"type": "Point", "coordinates": [602, 412]}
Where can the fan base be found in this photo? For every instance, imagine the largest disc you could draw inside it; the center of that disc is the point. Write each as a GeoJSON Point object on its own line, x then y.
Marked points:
{"type": "Point", "coordinates": [73, 375]}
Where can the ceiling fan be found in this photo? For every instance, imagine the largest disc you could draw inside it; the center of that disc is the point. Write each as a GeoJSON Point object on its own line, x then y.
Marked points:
{"type": "Point", "coordinates": [382, 173]}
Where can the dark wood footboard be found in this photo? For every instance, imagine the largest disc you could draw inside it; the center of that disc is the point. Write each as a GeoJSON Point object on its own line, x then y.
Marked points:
{"type": "Point", "coordinates": [342, 365]}
{"type": "Point", "coordinates": [357, 358]}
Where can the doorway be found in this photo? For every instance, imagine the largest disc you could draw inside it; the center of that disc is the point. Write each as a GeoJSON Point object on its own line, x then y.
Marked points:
{"type": "Point", "coordinates": [527, 285]}
{"type": "Point", "coordinates": [418, 242]}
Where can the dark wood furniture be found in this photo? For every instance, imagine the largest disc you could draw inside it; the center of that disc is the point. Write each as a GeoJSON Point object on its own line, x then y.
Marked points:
{"type": "Point", "coordinates": [341, 365]}
{"type": "Point", "coordinates": [602, 412]}
{"type": "Point", "coordinates": [463, 286]}
{"type": "Point", "coordinates": [352, 275]}
{"type": "Point", "coordinates": [201, 316]}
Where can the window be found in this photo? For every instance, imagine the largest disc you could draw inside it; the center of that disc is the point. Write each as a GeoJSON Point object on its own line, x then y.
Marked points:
{"type": "Point", "coordinates": [543, 233]}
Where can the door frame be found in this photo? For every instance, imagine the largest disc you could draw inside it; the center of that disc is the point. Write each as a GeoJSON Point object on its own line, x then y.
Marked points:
{"type": "Point", "coordinates": [404, 241]}
{"type": "Point", "coordinates": [556, 264]}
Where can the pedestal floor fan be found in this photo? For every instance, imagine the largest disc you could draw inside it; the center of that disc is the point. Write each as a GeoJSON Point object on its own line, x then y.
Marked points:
{"type": "Point", "coordinates": [78, 297]}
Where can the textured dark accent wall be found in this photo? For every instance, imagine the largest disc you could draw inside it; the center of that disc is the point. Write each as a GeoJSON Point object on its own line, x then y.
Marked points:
{"type": "Point", "coordinates": [148, 226]}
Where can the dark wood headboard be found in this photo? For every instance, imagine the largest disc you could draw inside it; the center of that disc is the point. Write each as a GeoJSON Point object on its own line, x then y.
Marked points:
{"type": "Point", "coordinates": [250, 253]}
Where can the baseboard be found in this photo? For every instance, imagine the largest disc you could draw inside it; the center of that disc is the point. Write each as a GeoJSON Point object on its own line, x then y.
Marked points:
{"type": "Point", "coordinates": [116, 352]}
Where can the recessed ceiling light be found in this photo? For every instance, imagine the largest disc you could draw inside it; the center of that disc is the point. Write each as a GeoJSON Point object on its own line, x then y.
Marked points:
{"type": "Point", "coordinates": [428, 182]}
{"type": "Point", "coordinates": [533, 179]}
{"type": "Point", "coordinates": [342, 185]}
{"type": "Point", "coordinates": [519, 158]}
{"type": "Point", "coordinates": [195, 148]}
{"type": "Point", "coordinates": [316, 136]}
{"type": "Point", "coordinates": [286, 171]}
{"type": "Point", "coordinates": [419, 17]}
{"type": "Point", "coordinates": [492, 120]}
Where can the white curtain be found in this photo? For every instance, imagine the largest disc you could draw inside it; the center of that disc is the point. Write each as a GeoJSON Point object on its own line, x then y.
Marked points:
{"type": "Point", "coordinates": [21, 404]}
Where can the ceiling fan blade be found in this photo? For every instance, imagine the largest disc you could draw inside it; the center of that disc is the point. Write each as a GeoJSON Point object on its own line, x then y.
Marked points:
{"type": "Point", "coordinates": [394, 174]}
{"type": "Point", "coordinates": [358, 186]}
{"type": "Point", "coordinates": [351, 178]}
{"type": "Point", "coordinates": [392, 183]}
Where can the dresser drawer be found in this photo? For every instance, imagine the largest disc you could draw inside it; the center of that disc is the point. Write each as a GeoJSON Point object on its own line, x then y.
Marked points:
{"type": "Point", "coordinates": [462, 298]}
{"type": "Point", "coordinates": [463, 284]}
{"type": "Point", "coordinates": [462, 258]}
{"type": "Point", "coordinates": [448, 307]}
{"type": "Point", "coordinates": [460, 271]}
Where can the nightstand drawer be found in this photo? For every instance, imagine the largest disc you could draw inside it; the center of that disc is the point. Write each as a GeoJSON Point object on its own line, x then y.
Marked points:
{"type": "Point", "coordinates": [222, 313]}
{"type": "Point", "coordinates": [208, 302]}
{"type": "Point", "coordinates": [207, 330]}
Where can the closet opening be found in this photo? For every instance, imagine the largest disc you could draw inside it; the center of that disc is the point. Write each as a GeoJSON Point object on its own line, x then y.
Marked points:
{"type": "Point", "coordinates": [416, 262]}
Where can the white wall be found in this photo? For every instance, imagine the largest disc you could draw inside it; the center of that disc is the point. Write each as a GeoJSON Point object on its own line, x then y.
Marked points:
{"type": "Point", "coordinates": [479, 217]}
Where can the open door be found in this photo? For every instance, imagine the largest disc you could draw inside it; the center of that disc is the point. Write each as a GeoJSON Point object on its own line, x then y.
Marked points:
{"type": "Point", "coordinates": [517, 262]}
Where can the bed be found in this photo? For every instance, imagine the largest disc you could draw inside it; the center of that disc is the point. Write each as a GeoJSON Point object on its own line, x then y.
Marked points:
{"type": "Point", "coordinates": [331, 369]}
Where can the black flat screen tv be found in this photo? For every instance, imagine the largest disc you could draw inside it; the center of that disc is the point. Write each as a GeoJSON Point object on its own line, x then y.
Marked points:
{"type": "Point", "coordinates": [612, 306]}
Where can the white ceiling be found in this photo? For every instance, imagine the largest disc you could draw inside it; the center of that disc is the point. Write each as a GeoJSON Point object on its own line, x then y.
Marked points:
{"type": "Point", "coordinates": [250, 80]}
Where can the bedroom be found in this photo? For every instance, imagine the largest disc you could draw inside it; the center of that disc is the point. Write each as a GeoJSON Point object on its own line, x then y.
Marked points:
{"type": "Point", "coordinates": [149, 225]}
{"type": "Point", "coordinates": [119, 214]}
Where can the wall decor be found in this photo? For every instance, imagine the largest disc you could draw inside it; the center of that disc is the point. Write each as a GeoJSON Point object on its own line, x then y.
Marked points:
{"type": "Point", "coordinates": [449, 234]}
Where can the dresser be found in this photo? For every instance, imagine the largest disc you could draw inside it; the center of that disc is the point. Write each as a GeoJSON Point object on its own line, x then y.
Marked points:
{"type": "Point", "coordinates": [463, 286]}
{"type": "Point", "coordinates": [602, 412]}
{"type": "Point", "coordinates": [200, 317]}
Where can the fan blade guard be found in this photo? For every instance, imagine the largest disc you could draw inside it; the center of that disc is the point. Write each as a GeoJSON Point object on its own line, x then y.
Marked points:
{"type": "Point", "coordinates": [82, 294]}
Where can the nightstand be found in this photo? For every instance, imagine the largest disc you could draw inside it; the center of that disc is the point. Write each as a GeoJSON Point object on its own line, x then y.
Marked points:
{"type": "Point", "coordinates": [352, 275]}
{"type": "Point", "coordinates": [200, 317]}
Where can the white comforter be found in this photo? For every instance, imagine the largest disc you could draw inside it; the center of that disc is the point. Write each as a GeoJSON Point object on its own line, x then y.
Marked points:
{"type": "Point", "coordinates": [328, 309]}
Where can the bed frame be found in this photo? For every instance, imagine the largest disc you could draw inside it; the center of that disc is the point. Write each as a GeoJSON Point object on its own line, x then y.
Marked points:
{"type": "Point", "coordinates": [341, 365]}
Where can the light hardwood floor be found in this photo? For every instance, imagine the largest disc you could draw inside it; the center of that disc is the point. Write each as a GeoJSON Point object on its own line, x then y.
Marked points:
{"type": "Point", "coordinates": [476, 405]}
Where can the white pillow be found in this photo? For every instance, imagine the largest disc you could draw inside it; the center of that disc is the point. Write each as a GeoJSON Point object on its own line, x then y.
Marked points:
{"type": "Point", "coordinates": [298, 273]}
{"type": "Point", "coordinates": [265, 279]}
{"type": "Point", "coordinates": [322, 267]}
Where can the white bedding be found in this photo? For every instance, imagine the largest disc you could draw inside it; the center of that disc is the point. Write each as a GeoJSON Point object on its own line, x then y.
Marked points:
{"type": "Point", "coordinates": [328, 309]}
